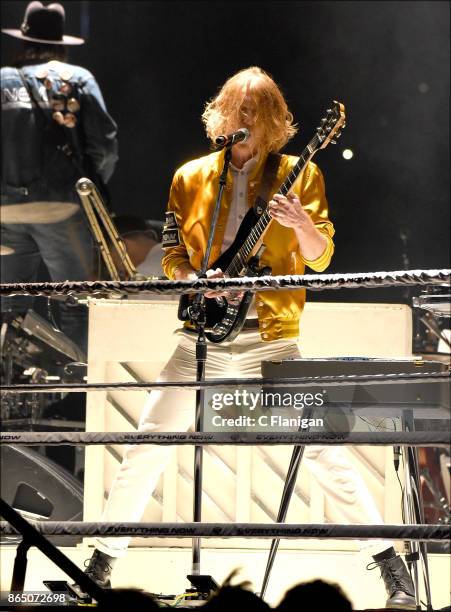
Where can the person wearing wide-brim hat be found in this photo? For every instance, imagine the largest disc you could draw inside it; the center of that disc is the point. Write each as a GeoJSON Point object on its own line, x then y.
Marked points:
{"type": "Point", "coordinates": [55, 129]}
{"type": "Point", "coordinates": [44, 24]}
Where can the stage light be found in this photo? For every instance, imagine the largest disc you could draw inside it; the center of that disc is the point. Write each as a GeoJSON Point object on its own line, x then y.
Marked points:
{"type": "Point", "coordinates": [348, 154]}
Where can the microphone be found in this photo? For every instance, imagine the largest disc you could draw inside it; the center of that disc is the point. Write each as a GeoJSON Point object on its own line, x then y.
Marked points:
{"type": "Point", "coordinates": [240, 135]}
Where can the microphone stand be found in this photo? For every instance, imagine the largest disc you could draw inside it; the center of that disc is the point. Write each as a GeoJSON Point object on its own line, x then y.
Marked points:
{"type": "Point", "coordinates": [203, 584]}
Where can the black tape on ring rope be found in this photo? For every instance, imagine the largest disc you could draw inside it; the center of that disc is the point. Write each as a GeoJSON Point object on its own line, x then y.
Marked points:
{"type": "Point", "coordinates": [426, 533]}
{"type": "Point", "coordinates": [314, 282]}
{"type": "Point", "coordinates": [375, 438]}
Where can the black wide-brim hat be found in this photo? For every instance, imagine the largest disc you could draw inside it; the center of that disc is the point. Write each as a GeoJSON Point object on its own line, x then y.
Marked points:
{"type": "Point", "coordinates": [44, 24]}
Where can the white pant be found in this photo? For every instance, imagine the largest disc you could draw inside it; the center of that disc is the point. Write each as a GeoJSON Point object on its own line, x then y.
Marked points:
{"type": "Point", "coordinates": [174, 409]}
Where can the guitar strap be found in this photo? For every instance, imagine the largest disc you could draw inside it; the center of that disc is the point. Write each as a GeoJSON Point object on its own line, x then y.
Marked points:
{"type": "Point", "coordinates": [269, 174]}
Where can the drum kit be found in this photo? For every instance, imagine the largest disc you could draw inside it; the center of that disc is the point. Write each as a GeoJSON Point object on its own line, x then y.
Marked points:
{"type": "Point", "coordinates": [33, 351]}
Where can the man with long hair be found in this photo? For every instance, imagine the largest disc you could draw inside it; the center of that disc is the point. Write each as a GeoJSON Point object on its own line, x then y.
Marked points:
{"type": "Point", "coordinates": [300, 236]}
{"type": "Point", "coordinates": [55, 129]}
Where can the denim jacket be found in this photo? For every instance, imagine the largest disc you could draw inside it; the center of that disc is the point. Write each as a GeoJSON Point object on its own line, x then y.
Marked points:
{"type": "Point", "coordinates": [37, 164]}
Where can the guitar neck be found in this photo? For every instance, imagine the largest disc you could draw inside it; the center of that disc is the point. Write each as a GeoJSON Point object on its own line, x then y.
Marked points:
{"type": "Point", "coordinates": [252, 242]}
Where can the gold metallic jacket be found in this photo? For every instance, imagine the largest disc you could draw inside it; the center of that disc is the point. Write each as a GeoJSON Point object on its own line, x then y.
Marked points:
{"type": "Point", "coordinates": [190, 211]}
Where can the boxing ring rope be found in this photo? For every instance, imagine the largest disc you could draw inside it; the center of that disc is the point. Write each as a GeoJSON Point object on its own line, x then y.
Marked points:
{"type": "Point", "coordinates": [33, 531]}
{"type": "Point", "coordinates": [315, 282]}
{"type": "Point", "coordinates": [425, 533]}
{"type": "Point", "coordinates": [413, 438]}
{"type": "Point", "coordinates": [315, 381]}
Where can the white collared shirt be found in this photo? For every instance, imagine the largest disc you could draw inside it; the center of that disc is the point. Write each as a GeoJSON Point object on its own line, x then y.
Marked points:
{"type": "Point", "coordinates": [238, 209]}
{"type": "Point", "coordinates": [238, 205]}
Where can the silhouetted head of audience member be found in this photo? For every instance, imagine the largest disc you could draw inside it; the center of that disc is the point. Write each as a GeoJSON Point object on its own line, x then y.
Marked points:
{"type": "Point", "coordinates": [129, 599]}
{"type": "Point", "coordinates": [315, 595]}
{"type": "Point", "coordinates": [235, 597]}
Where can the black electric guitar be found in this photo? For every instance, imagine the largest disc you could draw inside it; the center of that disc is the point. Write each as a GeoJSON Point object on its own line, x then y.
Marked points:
{"type": "Point", "coordinates": [225, 319]}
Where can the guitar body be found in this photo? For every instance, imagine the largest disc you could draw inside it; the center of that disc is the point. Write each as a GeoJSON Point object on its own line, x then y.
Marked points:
{"type": "Point", "coordinates": [232, 319]}
{"type": "Point", "coordinates": [224, 320]}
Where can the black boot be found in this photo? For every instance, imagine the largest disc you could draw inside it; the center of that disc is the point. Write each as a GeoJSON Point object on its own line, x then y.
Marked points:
{"type": "Point", "coordinates": [398, 583]}
{"type": "Point", "coordinates": [98, 568]}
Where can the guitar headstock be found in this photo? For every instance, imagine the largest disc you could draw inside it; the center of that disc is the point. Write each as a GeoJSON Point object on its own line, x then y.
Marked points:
{"type": "Point", "coordinates": [331, 125]}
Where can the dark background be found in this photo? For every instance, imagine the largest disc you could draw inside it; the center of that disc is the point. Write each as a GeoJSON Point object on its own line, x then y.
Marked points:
{"type": "Point", "coordinates": [388, 62]}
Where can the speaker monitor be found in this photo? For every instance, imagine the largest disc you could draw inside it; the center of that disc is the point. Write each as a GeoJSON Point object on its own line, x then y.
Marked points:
{"type": "Point", "coordinates": [40, 489]}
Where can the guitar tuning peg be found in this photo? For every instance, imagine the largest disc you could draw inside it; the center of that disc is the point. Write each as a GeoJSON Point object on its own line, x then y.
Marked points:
{"type": "Point", "coordinates": [323, 121]}
{"type": "Point", "coordinates": [329, 110]}
{"type": "Point", "coordinates": [328, 129]}
{"type": "Point", "coordinates": [333, 141]}
{"type": "Point", "coordinates": [337, 135]}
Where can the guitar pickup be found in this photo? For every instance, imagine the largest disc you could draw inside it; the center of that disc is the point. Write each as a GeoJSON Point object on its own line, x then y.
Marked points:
{"type": "Point", "coordinates": [259, 253]}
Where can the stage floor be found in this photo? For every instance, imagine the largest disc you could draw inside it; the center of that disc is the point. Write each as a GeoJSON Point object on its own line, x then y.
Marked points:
{"type": "Point", "coordinates": [164, 570]}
